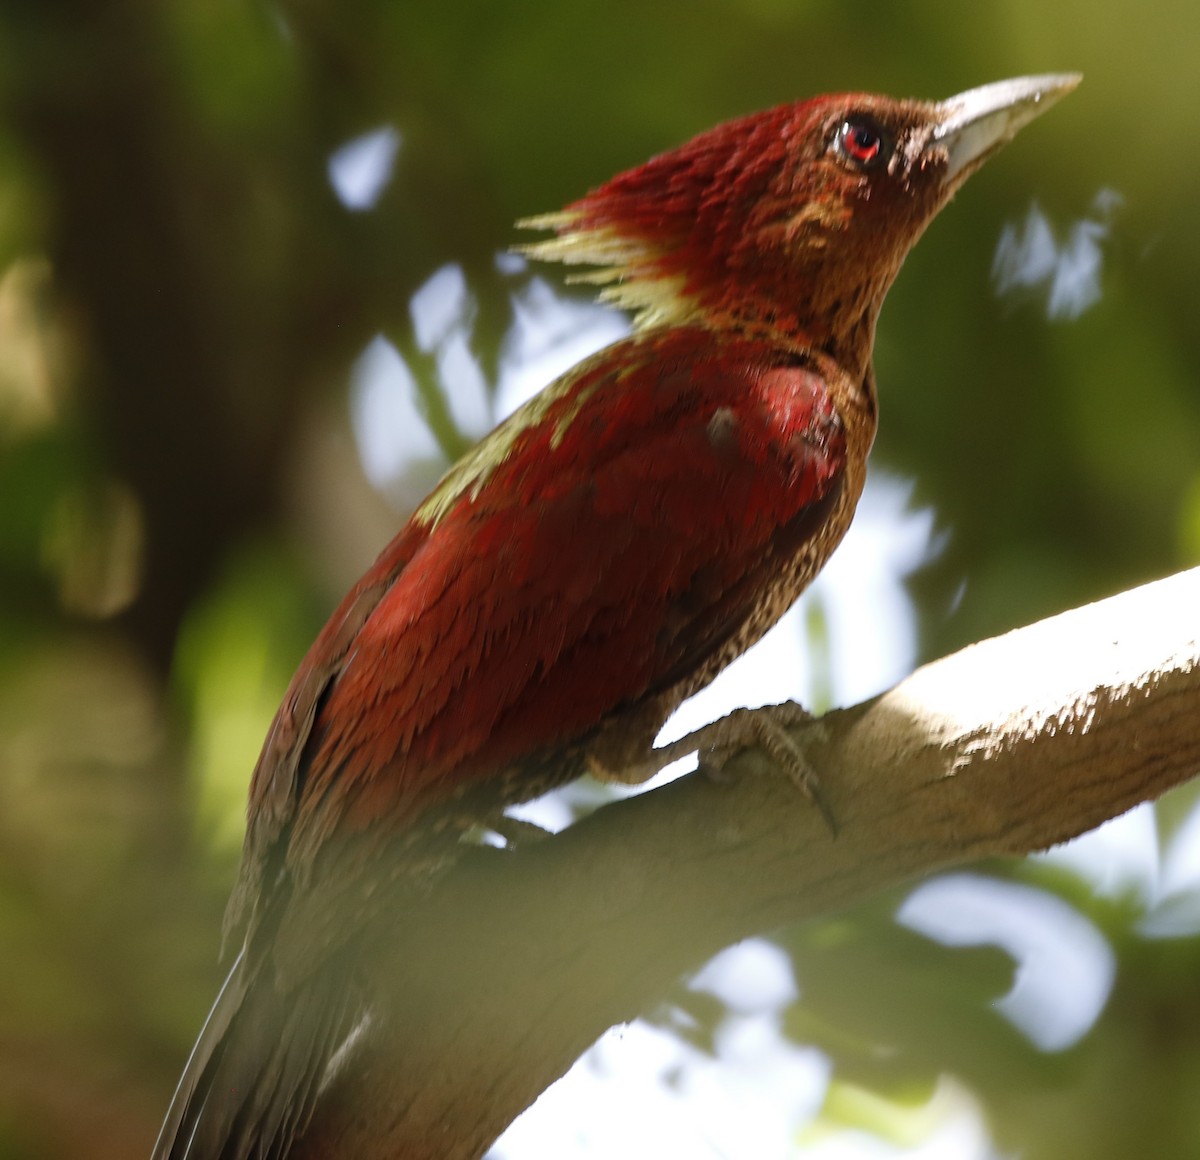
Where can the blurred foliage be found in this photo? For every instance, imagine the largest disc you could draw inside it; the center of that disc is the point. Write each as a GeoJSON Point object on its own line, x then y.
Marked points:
{"type": "Point", "coordinates": [182, 299]}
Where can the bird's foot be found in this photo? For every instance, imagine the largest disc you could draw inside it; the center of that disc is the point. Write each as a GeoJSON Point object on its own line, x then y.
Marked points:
{"type": "Point", "coordinates": [768, 729]}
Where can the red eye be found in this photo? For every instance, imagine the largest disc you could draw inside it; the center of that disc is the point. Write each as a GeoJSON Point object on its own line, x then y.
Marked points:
{"type": "Point", "coordinates": [864, 142]}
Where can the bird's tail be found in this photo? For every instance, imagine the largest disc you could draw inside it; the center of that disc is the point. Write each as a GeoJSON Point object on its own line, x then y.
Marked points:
{"type": "Point", "coordinates": [252, 1079]}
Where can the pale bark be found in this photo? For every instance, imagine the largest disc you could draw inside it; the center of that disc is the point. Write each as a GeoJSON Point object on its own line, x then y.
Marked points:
{"type": "Point", "coordinates": [523, 958]}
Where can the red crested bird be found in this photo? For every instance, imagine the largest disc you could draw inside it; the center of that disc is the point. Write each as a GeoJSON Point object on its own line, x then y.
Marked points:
{"type": "Point", "coordinates": [598, 558]}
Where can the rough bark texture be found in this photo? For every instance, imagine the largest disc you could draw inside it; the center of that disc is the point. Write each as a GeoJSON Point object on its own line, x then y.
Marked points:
{"type": "Point", "coordinates": [522, 959]}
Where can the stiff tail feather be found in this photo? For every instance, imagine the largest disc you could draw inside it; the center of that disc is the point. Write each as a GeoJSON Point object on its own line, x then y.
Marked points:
{"type": "Point", "coordinates": [251, 1082]}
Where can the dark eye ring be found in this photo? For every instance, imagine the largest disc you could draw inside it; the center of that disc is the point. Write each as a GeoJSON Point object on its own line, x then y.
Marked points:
{"type": "Point", "coordinates": [864, 142]}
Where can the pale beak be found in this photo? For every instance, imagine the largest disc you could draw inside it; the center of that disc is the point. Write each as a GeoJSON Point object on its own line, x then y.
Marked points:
{"type": "Point", "coordinates": [974, 124]}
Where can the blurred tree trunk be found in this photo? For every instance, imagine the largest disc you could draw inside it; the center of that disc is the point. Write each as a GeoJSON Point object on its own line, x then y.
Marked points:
{"type": "Point", "coordinates": [192, 339]}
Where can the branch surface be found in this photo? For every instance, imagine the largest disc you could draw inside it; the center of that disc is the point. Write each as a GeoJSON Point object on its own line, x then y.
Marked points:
{"type": "Point", "coordinates": [522, 959]}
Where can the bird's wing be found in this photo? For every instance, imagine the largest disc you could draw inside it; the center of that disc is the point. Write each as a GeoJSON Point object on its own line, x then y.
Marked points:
{"type": "Point", "coordinates": [597, 548]}
{"type": "Point", "coordinates": [603, 556]}
{"type": "Point", "coordinates": [277, 783]}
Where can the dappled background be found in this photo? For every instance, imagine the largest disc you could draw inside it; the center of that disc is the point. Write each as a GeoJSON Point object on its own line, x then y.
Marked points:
{"type": "Point", "coordinates": [255, 296]}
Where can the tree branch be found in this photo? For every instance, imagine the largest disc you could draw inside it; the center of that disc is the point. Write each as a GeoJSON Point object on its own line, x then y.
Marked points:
{"type": "Point", "coordinates": [520, 960]}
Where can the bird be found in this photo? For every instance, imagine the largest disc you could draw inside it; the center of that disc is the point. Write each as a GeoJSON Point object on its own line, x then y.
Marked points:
{"type": "Point", "coordinates": [589, 565]}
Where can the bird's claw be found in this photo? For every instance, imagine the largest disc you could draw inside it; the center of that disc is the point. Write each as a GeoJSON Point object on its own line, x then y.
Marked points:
{"type": "Point", "coordinates": [768, 729]}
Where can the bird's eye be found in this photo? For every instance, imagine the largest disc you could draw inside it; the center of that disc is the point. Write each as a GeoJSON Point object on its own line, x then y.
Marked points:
{"type": "Point", "coordinates": [864, 142]}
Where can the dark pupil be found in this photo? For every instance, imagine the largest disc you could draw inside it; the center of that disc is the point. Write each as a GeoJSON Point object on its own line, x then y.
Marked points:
{"type": "Point", "coordinates": [864, 144]}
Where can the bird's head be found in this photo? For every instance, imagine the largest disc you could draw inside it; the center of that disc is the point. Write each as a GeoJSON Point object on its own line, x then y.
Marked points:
{"type": "Point", "coordinates": [795, 219]}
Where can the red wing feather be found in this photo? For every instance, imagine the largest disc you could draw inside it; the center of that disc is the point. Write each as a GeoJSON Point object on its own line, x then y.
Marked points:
{"type": "Point", "coordinates": [603, 558]}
